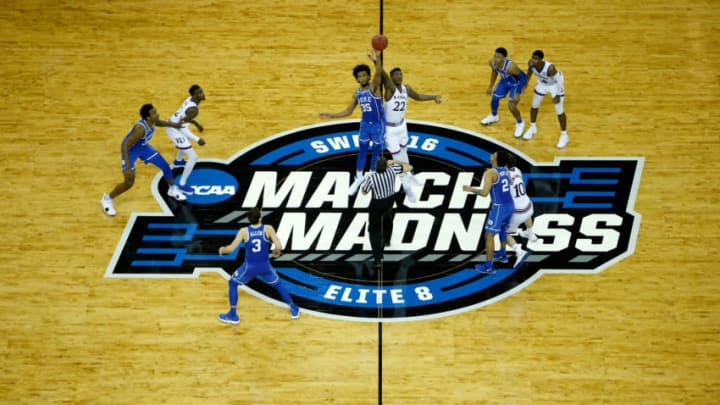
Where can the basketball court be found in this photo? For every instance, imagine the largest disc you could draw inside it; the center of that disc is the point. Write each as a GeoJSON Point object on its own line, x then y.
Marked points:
{"type": "Point", "coordinates": [624, 312]}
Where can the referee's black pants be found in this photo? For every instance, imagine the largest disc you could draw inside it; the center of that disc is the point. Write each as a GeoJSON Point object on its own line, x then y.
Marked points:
{"type": "Point", "coordinates": [380, 225]}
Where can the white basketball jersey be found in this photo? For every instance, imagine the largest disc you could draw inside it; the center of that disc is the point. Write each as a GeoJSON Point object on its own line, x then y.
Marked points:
{"type": "Point", "coordinates": [519, 194]}
{"type": "Point", "coordinates": [180, 113]}
{"type": "Point", "coordinates": [543, 76]}
{"type": "Point", "coordinates": [396, 106]}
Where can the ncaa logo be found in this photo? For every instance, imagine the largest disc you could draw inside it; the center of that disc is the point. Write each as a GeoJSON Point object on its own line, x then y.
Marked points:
{"type": "Point", "coordinates": [584, 217]}
{"type": "Point", "coordinates": [210, 186]}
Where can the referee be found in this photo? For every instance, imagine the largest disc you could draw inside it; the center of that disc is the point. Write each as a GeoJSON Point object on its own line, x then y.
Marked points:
{"type": "Point", "coordinates": [382, 185]}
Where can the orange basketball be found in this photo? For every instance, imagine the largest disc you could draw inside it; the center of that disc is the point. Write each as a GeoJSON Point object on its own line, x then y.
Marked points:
{"type": "Point", "coordinates": [379, 42]}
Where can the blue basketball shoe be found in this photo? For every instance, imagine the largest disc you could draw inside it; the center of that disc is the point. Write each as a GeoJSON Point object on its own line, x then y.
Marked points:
{"type": "Point", "coordinates": [500, 256]}
{"type": "Point", "coordinates": [229, 317]}
{"type": "Point", "coordinates": [485, 268]}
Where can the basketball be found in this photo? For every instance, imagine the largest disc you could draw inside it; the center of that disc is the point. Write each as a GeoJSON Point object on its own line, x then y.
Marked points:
{"type": "Point", "coordinates": [379, 42]}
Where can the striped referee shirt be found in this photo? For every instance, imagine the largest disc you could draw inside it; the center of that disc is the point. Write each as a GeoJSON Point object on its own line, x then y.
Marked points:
{"type": "Point", "coordinates": [382, 185]}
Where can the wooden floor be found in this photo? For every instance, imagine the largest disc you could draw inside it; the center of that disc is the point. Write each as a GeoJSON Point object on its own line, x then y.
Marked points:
{"type": "Point", "coordinates": [641, 80]}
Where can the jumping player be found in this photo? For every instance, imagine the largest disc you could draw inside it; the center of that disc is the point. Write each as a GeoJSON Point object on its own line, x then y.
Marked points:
{"type": "Point", "coordinates": [396, 133]}
{"type": "Point", "coordinates": [372, 123]}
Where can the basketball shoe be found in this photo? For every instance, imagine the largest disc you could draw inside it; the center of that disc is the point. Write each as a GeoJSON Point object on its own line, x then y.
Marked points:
{"type": "Point", "coordinates": [229, 317]}
{"type": "Point", "coordinates": [485, 268]}
{"type": "Point", "coordinates": [107, 204]}
{"type": "Point", "coordinates": [355, 186]}
{"type": "Point", "coordinates": [490, 119]}
{"type": "Point", "coordinates": [530, 132]}
{"type": "Point", "coordinates": [175, 193]}
{"type": "Point", "coordinates": [563, 141]}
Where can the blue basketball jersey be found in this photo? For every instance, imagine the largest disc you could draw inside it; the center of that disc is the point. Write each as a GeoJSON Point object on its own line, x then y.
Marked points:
{"type": "Point", "coordinates": [145, 140]}
{"type": "Point", "coordinates": [371, 107]}
{"type": "Point", "coordinates": [500, 190]}
{"type": "Point", "coordinates": [257, 247]}
{"type": "Point", "coordinates": [502, 71]}
{"type": "Point", "coordinates": [507, 76]}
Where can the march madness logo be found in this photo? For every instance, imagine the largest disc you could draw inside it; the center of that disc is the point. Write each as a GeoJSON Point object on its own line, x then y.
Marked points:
{"type": "Point", "coordinates": [583, 215]}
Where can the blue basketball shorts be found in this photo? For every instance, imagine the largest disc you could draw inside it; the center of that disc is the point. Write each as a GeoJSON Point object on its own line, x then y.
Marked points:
{"type": "Point", "coordinates": [374, 132]}
{"type": "Point", "coordinates": [145, 152]}
{"type": "Point", "coordinates": [498, 218]}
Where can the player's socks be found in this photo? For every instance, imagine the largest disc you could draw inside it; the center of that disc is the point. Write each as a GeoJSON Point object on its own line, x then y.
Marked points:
{"type": "Point", "coordinates": [362, 156]}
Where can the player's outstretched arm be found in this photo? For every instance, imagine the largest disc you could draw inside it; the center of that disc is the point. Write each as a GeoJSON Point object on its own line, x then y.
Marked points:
{"type": "Point", "coordinates": [344, 113]}
{"type": "Point", "coordinates": [422, 97]}
{"type": "Point", "coordinates": [389, 85]}
{"type": "Point", "coordinates": [377, 78]}
{"type": "Point", "coordinates": [489, 177]}
{"type": "Point", "coordinates": [162, 123]}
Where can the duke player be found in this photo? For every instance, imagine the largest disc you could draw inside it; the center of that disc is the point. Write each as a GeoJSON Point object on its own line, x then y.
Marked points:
{"type": "Point", "coordinates": [549, 80]}
{"type": "Point", "coordinates": [256, 264]}
{"type": "Point", "coordinates": [136, 145]}
{"type": "Point", "coordinates": [181, 136]}
{"type": "Point", "coordinates": [512, 82]}
{"type": "Point", "coordinates": [396, 134]}
{"type": "Point", "coordinates": [372, 123]}
{"type": "Point", "coordinates": [523, 208]}
{"type": "Point", "coordinates": [496, 183]}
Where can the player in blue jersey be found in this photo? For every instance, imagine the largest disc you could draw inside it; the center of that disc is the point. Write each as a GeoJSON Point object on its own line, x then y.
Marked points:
{"type": "Point", "coordinates": [257, 238]}
{"type": "Point", "coordinates": [372, 123]}
{"type": "Point", "coordinates": [136, 145]}
{"type": "Point", "coordinates": [512, 81]}
{"type": "Point", "coordinates": [496, 182]}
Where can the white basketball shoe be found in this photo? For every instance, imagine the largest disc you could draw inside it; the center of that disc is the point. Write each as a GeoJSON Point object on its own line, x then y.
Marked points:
{"type": "Point", "coordinates": [175, 193]}
{"type": "Point", "coordinates": [490, 119]}
{"type": "Point", "coordinates": [563, 141]}
{"type": "Point", "coordinates": [355, 186]}
{"type": "Point", "coordinates": [107, 204]}
{"type": "Point", "coordinates": [528, 135]}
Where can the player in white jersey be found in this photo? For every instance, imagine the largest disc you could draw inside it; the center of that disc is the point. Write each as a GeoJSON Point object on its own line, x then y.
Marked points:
{"type": "Point", "coordinates": [523, 208]}
{"type": "Point", "coordinates": [396, 133]}
{"type": "Point", "coordinates": [181, 137]}
{"type": "Point", "coordinates": [549, 80]}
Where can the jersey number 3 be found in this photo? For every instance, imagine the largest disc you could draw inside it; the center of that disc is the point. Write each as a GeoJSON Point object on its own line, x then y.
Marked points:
{"type": "Point", "coordinates": [257, 245]}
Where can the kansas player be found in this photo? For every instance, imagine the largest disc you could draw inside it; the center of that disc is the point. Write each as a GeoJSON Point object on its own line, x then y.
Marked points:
{"type": "Point", "coordinates": [372, 123]}
{"type": "Point", "coordinates": [512, 82]}
{"type": "Point", "coordinates": [396, 134]}
{"type": "Point", "coordinates": [181, 137]}
{"type": "Point", "coordinates": [496, 183]}
{"type": "Point", "coordinates": [524, 209]}
{"type": "Point", "coordinates": [550, 80]}
{"type": "Point", "coordinates": [256, 264]}
{"type": "Point", "coordinates": [136, 145]}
